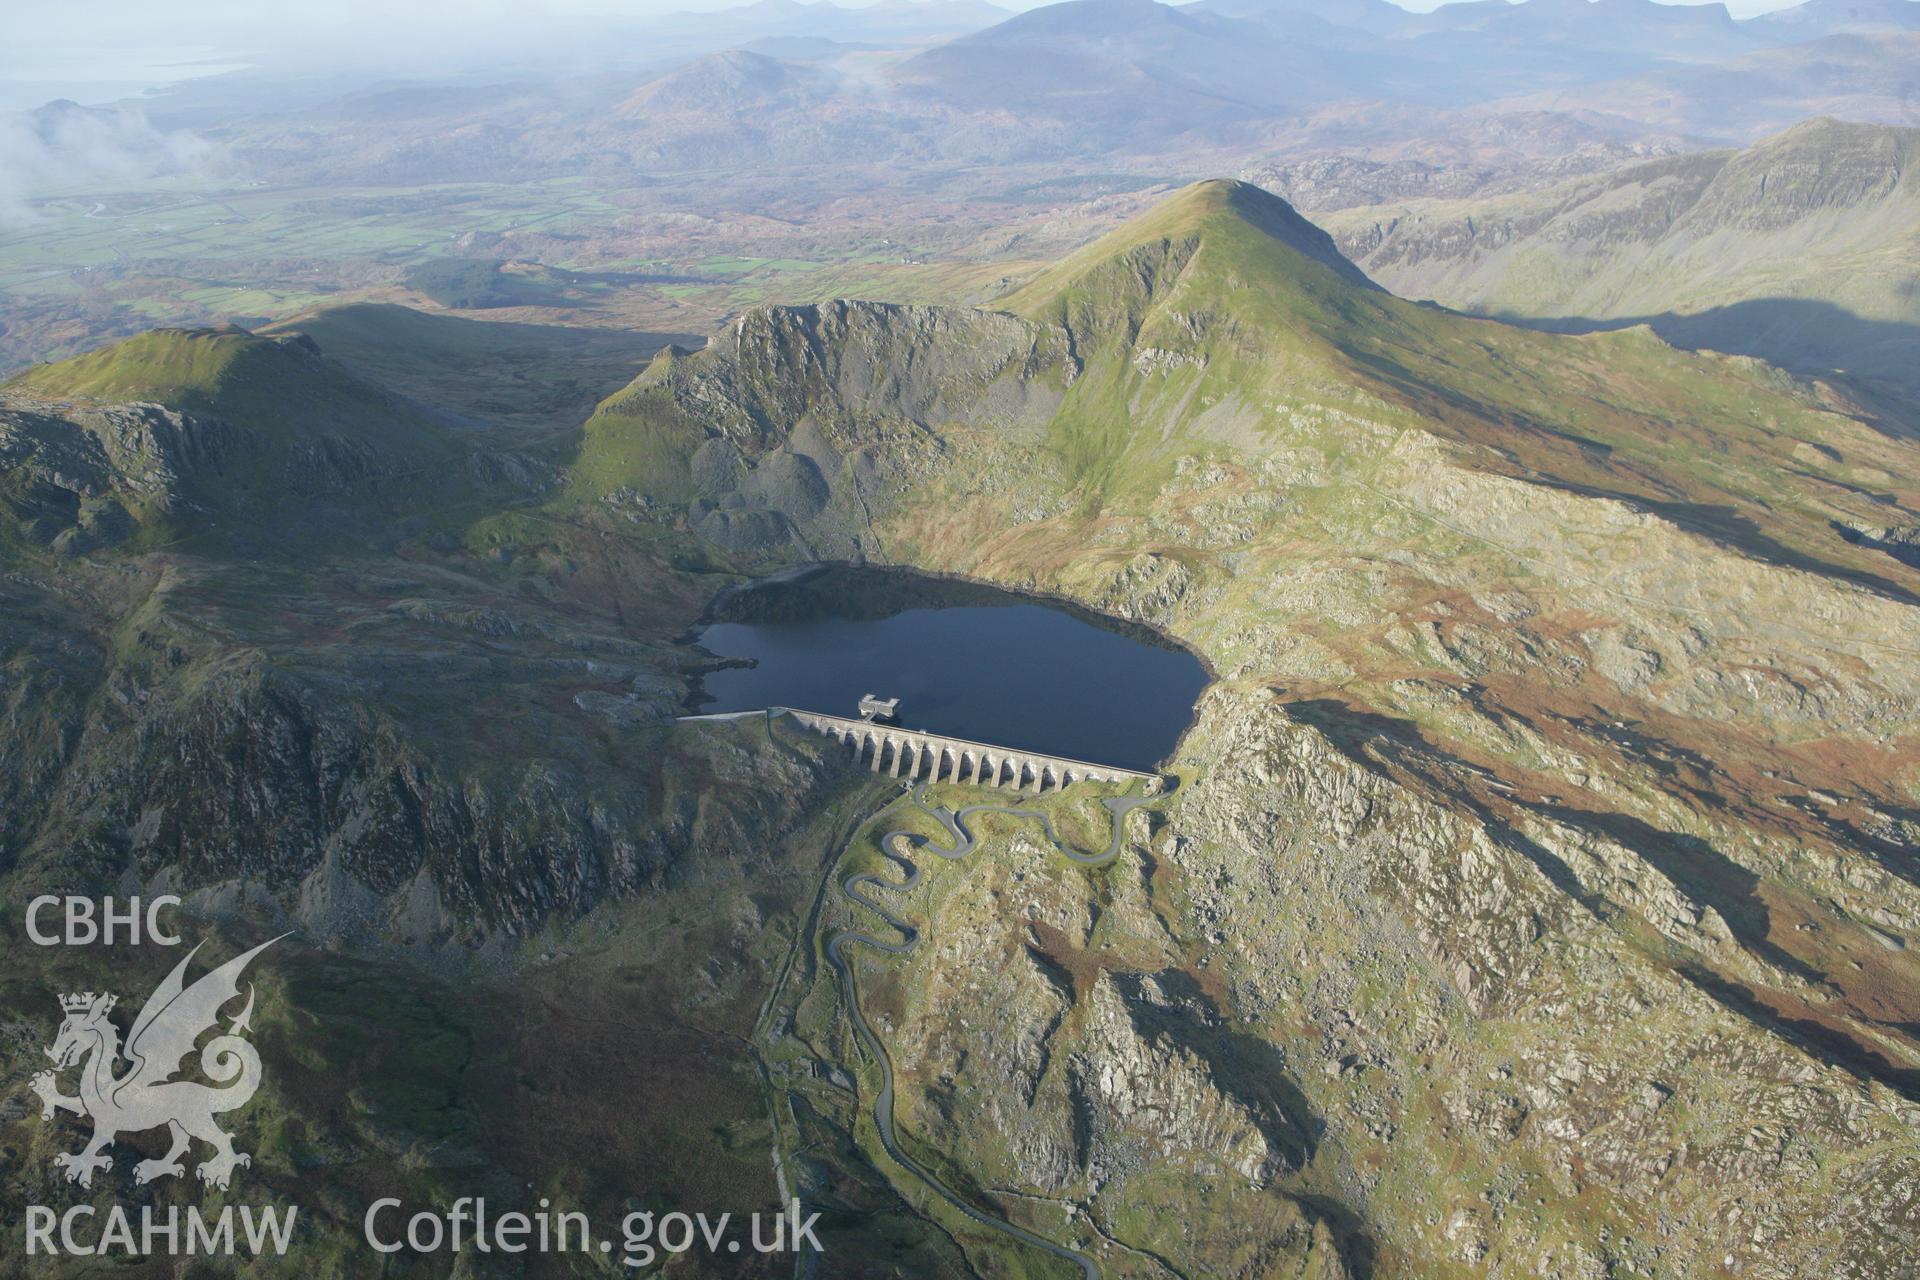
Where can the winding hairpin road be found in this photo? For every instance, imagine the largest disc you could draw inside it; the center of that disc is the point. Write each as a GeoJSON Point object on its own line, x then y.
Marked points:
{"type": "Point", "coordinates": [963, 844]}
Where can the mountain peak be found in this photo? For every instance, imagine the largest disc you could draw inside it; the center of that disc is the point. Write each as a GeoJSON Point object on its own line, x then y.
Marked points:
{"type": "Point", "coordinates": [1085, 19]}
{"type": "Point", "coordinates": [1254, 232]}
{"type": "Point", "coordinates": [1265, 212]}
{"type": "Point", "coordinates": [1830, 130]}
{"type": "Point", "coordinates": [732, 80]}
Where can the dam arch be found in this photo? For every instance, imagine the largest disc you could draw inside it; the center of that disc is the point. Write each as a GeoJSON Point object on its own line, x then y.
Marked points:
{"type": "Point", "coordinates": [916, 755]}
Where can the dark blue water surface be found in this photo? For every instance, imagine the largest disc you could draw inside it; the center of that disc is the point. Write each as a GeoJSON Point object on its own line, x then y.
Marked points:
{"type": "Point", "coordinates": [1024, 675]}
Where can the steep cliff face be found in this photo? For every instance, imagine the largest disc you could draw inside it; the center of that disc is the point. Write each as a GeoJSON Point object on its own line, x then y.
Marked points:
{"type": "Point", "coordinates": [802, 418]}
{"type": "Point", "coordinates": [91, 480]}
{"type": "Point", "coordinates": [429, 764]}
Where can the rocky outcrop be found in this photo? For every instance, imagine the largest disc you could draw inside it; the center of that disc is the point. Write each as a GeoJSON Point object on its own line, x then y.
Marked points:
{"type": "Point", "coordinates": [796, 426]}
{"type": "Point", "coordinates": [325, 805]}
{"type": "Point", "coordinates": [1438, 956]}
{"type": "Point", "coordinates": [1067, 1053]}
{"type": "Point", "coordinates": [81, 479]}
{"type": "Point", "coordinates": [470, 766]}
{"type": "Point", "coordinates": [865, 365]}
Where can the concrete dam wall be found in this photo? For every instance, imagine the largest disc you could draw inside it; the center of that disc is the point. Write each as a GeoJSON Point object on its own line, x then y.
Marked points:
{"type": "Point", "coordinates": [910, 753]}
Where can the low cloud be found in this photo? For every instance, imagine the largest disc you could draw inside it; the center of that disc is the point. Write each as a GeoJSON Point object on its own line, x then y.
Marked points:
{"type": "Point", "coordinates": [63, 145]}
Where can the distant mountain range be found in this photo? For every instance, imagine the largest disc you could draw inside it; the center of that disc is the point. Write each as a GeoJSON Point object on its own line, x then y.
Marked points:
{"type": "Point", "coordinates": [1804, 249]}
{"type": "Point", "coordinates": [1220, 61]}
{"type": "Point", "coordinates": [959, 82]}
{"type": "Point", "coordinates": [736, 134]}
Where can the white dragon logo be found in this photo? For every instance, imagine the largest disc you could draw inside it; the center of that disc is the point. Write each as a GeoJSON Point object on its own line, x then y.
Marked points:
{"type": "Point", "coordinates": [146, 1097]}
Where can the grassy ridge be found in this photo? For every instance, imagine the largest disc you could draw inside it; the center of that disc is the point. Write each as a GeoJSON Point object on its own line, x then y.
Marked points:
{"type": "Point", "coordinates": [283, 446]}
{"type": "Point", "coordinates": [274, 386]}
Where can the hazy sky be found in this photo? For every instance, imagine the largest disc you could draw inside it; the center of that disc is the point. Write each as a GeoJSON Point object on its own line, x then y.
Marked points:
{"type": "Point", "coordinates": [122, 46]}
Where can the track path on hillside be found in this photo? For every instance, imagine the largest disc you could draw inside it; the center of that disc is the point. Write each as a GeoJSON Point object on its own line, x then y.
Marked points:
{"type": "Point", "coordinates": [892, 845]}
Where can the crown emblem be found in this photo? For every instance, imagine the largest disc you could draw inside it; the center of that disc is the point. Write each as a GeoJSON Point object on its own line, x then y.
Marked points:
{"type": "Point", "coordinates": [84, 1001]}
